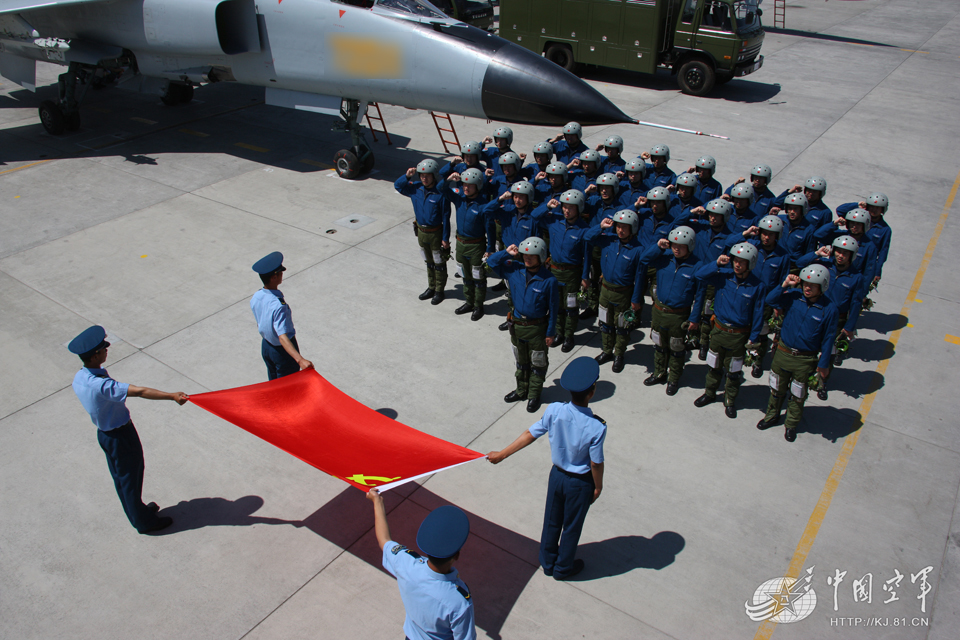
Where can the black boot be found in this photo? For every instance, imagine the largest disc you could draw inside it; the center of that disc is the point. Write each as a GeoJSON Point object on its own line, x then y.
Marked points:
{"type": "Point", "coordinates": [513, 396]}
{"type": "Point", "coordinates": [654, 379]}
{"type": "Point", "coordinates": [477, 314]}
{"type": "Point", "coordinates": [426, 294]}
{"type": "Point", "coordinates": [704, 400]}
{"type": "Point", "coordinates": [466, 307]}
{"type": "Point", "coordinates": [438, 297]}
{"type": "Point", "coordinates": [568, 344]}
{"type": "Point", "coordinates": [533, 404]}
{"type": "Point", "coordinates": [617, 364]}
{"type": "Point", "coordinates": [604, 357]}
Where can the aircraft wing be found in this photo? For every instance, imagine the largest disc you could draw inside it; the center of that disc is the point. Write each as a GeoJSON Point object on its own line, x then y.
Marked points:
{"type": "Point", "coordinates": [14, 6]}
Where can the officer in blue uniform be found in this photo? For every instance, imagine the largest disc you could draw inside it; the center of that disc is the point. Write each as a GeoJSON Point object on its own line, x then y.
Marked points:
{"type": "Point", "coordinates": [708, 188]}
{"type": "Point", "coordinates": [763, 198]}
{"type": "Point", "coordinates": [568, 145]}
{"type": "Point", "coordinates": [658, 173]}
{"type": "Point", "coordinates": [279, 347]}
{"type": "Point", "coordinates": [437, 602]}
{"type": "Point", "coordinates": [105, 400]}
{"type": "Point", "coordinates": [576, 478]}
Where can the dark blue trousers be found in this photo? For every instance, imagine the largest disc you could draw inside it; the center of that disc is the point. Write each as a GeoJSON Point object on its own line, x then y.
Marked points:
{"type": "Point", "coordinates": [278, 361]}
{"type": "Point", "coordinates": [568, 500]}
{"type": "Point", "coordinates": [125, 459]}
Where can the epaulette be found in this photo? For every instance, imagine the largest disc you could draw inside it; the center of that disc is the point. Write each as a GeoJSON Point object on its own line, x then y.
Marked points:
{"type": "Point", "coordinates": [414, 554]}
{"type": "Point", "coordinates": [464, 593]}
{"type": "Point", "coordinates": [601, 420]}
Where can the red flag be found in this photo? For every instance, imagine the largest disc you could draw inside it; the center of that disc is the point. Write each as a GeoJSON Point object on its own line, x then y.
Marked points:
{"type": "Point", "coordinates": [311, 419]}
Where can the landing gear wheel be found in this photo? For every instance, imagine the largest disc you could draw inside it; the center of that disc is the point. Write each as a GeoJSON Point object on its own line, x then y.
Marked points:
{"type": "Point", "coordinates": [562, 56]}
{"type": "Point", "coordinates": [72, 121]}
{"type": "Point", "coordinates": [51, 117]}
{"type": "Point", "coordinates": [696, 78]}
{"type": "Point", "coordinates": [366, 159]}
{"type": "Point", "coordinates": [348, 167]}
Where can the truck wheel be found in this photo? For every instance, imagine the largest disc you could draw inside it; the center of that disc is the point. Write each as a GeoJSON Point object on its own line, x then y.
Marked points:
{"type": "Point", "coordinates": [696, 78]}
{"type": "Point", "coordinates": [562, 56]}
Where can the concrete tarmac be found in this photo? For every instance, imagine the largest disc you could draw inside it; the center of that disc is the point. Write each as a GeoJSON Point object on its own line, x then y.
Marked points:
{"type": "Point", "coordinates": [148, 218]}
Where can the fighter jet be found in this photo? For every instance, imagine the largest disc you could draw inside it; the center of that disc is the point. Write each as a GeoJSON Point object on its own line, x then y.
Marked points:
{"type": "Point", "coordinates": [327, 56]}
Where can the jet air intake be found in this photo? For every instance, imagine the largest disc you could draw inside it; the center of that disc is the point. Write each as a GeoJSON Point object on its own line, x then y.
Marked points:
{"type": "Point", "coordinates": [201, 27]}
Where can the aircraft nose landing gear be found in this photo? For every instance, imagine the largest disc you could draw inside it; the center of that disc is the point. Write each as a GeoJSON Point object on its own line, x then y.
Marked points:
{"type": "Point", "coordinates": [64, 115]}
{"type": "Point", "coordinates": [357, 161]}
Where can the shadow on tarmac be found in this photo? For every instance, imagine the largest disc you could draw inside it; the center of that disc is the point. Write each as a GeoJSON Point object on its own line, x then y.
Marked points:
{"type": "Point", "coordinates": [216, 512]}
{"type": "Point", "coordinates": [881, 322]}
{"type": "Point", "coordinates": [616, 556]}
{"type": "Point", "coordinates": [737, 90]}
{"type": "Point", "coordinates": [813, 35]}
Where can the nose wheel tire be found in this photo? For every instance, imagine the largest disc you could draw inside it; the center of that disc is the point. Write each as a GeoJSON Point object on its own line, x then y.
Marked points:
{"type": "Point", "coordinates": [347, 164]}
{"type": "Point", "coordinates": [52, 118]}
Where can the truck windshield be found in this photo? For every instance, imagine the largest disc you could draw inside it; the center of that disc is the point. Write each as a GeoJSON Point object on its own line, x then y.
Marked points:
{"type": "Point", "coordinates": [415, 7]}
{"type": "Point", "coordinates": [746, 14]}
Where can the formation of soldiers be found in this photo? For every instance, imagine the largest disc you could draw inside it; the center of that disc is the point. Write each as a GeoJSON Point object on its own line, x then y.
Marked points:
{"type": "Point", "coordinates": [732, 274]}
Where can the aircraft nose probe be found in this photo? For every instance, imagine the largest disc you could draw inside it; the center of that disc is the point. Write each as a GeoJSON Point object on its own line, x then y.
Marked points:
{"type": "Point", "coordinates": [522, 87]}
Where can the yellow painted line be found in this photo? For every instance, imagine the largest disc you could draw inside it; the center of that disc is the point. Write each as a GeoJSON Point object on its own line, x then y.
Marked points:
{"type": "Point", "coordinates": [833, 480]}
{"type": "Point", "coordinates": [244, 145]}
{"type": "Point", "coordinates": [952, 339]}
{"type": "Point", "coordinates": [316, 163]}
{"type": "Point", "coordinates": [918, 300]}
{"type": "Point", "coordinates": [195, 133]}
{"type": "Point", "coordinates": [26, 166]}
{"type": "Point", "coordinates": [910, 325]}
{"type": "Point", "coordinates": [144, 120]}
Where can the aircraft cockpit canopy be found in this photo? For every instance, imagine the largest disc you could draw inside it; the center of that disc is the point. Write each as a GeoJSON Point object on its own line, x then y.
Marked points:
{"type": "Point", "coordinates": [417, 8]}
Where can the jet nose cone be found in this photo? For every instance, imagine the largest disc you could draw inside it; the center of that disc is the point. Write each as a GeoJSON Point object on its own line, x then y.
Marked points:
{"type": "Point", "coordinates": [522, 87]}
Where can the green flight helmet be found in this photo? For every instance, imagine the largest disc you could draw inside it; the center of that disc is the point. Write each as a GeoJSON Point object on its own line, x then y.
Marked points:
{"type": "Point", "coordinates": [799, 200]}
{"type": "Point", "coordinates": [859, 215]}
{"type": "Point", "coordinates": [609, 180]}
{"type": "Point", "coordinates": [637, 166]}
{"type": "Point", "coordinates": [816, 183]}
{"type": "Point", "coordinates": [847, 242]}
{"type": "Point", "coordinates": [687, 180]}
{"type": "Point", "coordinates": [773, 224]}
{"type": "Point", "coordinates": [745, 251]}
{"type": "Point", "coordinates": [471, 148]}
{"type": "Point", "coordinates": [628, 216]}
{"type": "Point", "coordinates": [659, 193]}
{"type": "Point", "coordinates": [472, 176]}
{"type": "Point", "coordinates": [573, 129]}
{"type": "Point", "coordinates": [533, 246]}
{"type": "Point", "coordinates": [661, 150]}
{"type": "Point", "coordinates": [557, 169]}
{"type": "Point", "coordinates": [683, 235]}
{"type": "Point", "coordinates": [510, 158]}
{"type": "Point", "coordinates": [504, 132]}
{"type": "Point", "coordinates": [428, 166]}
{"type": "Point", "coordinates": [878, 199]}
{"type": "Point", "coordinates": [721, 207]}
{"type": "Point", "coordinates": [523, 188]}
{"type": "Point", "coordinates": [816, 274]}
{"type": "Point", "coordinates": [707, 162]}
{"type": "Point", "coordinates": [614, 142]}
{"type": "Point", "coordinates": [543, 147]}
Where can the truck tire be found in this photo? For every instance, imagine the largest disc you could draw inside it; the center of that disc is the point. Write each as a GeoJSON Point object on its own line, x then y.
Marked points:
{"type": "Point", "coordinates": [696, 78]}
{"type": "Point", "coordinates": [562, 56]}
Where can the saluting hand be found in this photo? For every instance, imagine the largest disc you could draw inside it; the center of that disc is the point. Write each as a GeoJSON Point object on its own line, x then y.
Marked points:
{"type": "Point", "coordinates": [825, 251]}
{"type": "Point", "coordinates": [540, 176]}
{"type": "Point", "coordinates": [454, 177]}
{"type": "Point", "coordinates": [512, 250]}
{"type": "Point", "coordinates": [751, 231]}
{"type": "Point", "coordinates": [606, 223]}
{"type": "Point", "coordinates": [663, 243]}
{"type": "Point", "coordinates": [723, 259]}
{"type": "Point", "coordinates": [791, 281]}
{"type": "Point", "coordinates": [641, 201]}
{"type": "Point", "coordinates": [412, 171]}
{"type": "Point", "coordinates": [592, 188]}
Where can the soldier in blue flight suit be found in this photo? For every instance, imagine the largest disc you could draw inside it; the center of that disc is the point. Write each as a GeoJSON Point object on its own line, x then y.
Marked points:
{"type": "Point", "coordinates": [542, 156]}
{"type": "Point", "coordinates": [576, 478]}
{"type": "Point", "coordinates": [856, 223]}
{"type": "Point", "coordinates": [569, 260]}
{"type": "Point", "coordinates": [806, 341]}
{"type": "Point", "coordinates": [585, 171]}
{"type": "Point", "coordinates": [475, 237]}
{"type": "Point", "coordinates": [278, 347]}
{"type": "Point", "coordinates": [712, 235]}
{"type": "Point", "coordinates": [708, 188]}
{"type": "Point", "coordinates": [813, 190]}
{"type": "Point", "coordinates": [879, 232]}
{"type": "Point", "coordinates": [676, 305]}
{"type": "Point", "coordinates": [511, 174]}
{"type": "Point", "coordinates": [516, 213]}
{"type": "Point", "coordinates": [684, 202]}
{"type": "Point", "coordinates": [773, 265]}
{"type": "Point", "coordinates": [499, 144]}
{"type": "Point", "coordinates": [567, 145]}
{"type": "Point", "coordinates": [797, 236]}
{"type": "Point", "coordinates": [621, 288]}
{"type": "Point", "coordinates": [552, 182]}
{"type": "Point", "coordinates": [633, 188]}
{"type": "Point", "coordinates": [742, 197]}
{"type": "Point", "coordinates": [738, 316]}
{"type": "Point", "coordinates": [469, 158]}
{"type": "Point", "coordinates": [601, 203]}
{"type": "Point", "coordinates": [848, 289]}
{"type": "Point", "coordinates": [655, 219]}
{"type": "Point", "coordinates": [658, 173]}
{"type": "Point", "coordinates": [431, 224]}
{"type": "Point", "coordinates": [533, 322]}
{"type": "Point", "coordinates": [612, 161]}
{"type": "Point", "coordinates": [763, 198]}
{"type": "Point", "coordinates": [438, 603]}
{"type": "Point", "coordinates": [105, 400]}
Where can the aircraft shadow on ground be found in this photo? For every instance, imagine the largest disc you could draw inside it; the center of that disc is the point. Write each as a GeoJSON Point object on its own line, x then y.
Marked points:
{"type": "Point", "coordinates": [737, 90]}
{"type": "Point", "coordinates": [299, 135]}
{"type": "Point", "coordinates": [813, 35]}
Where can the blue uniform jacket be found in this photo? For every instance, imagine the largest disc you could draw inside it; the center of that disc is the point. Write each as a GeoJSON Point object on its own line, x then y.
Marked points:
{"type": "Point", "coordinates": [566, 240]}
{"type": "Point", "coordinates": [597, 209]}
{"type": "Point", "coordinates": [772, 266]}
{"type": "Point", "coordinates": [619, 261]}
{"type": "Point", "coordinates": [608, 165]}
{"type": "Point", "coordinates": [652, 178]}
{"type": "Point", "coordinates": [680, 210]}
{"type": "Point", "coordinates": [471, 221]}
{"type": "Point", "coordinates": [460, 167]}
{"type": "Point", "coordinates": [710, 244]}
{"type": "Point", "coordinates": [430, 206]}
{"type": "Point", "coordinates": [806, 326]}
{"type": "Point", "coordinates": [539, 298]}
{"type": "Point", "coordinates": [629, 195]}
{"type": "Point", "coordinates": [739, 303]}
{"type": "Point", "coordinates": [763, 201]}
{"type": "Point", "coordinates": [564, 153]}
{"type": "Point", "coordinates": [705, 192]}
{"type": "Point", "coordinates": [651, 228]}
{"type": "Point", "coordinates": [879, 233]}
{"type": "Point", "coordinates": [103, 397]}
{"type": "Point", "coordinates": [847, 288]}
{"type": "Point", "coordinates": [738, 224]}
{"type": "Point", "coordinates": [516, 226]}
{"type": "Point", "coordinates": [797, 240]}
{"type": "Point", "coordinates": [576, 436]}
{"type": "Point", "coordinates": [677, 285]}
{"type": "Point", "coordinates": [580, 180]}
{"type": "Point", "coordinates": [817, 214]}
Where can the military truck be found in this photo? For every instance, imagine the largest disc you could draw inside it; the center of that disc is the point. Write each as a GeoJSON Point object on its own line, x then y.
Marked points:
{"type": "Point", "coordinates": [703, 42]}
{"type": "Point", "coordinates": [478, 13]}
